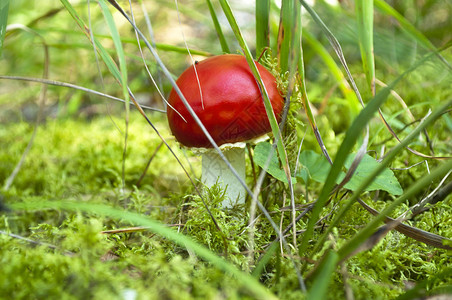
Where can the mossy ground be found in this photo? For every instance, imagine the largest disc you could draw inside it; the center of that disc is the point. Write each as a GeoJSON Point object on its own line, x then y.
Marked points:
{"type": "Point", "coordinates": [82, 161]}
{"type": "Point", "coordinates": [78, 157]}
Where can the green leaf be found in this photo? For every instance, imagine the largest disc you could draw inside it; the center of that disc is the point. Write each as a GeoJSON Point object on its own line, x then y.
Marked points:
{"type": "Point", "coordinates": [385, 181]}
{"type": "Point", "coordinates": [262, 152]}
{"type": "Point", "coordinates": [316, 167]}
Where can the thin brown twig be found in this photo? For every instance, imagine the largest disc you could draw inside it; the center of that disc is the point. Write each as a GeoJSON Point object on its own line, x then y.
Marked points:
{"type": "Point", "coordinates": [34, 242]}
{"type": "Point", "coordinates": [148, 164]}
{"type": "Point", "coordinates": [412, 232]}
{"type": "Point", "coordinates": [135, 229]}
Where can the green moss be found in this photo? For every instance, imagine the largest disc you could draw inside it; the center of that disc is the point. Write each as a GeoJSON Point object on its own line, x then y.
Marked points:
{"type": "Point", "coordinates": [78, 155]}
{"type": "Point", "coordinates": [81, 161]}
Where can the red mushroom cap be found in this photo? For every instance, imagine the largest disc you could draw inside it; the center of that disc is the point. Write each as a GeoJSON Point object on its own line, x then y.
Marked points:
{"type": "Point", "coordinates": [232, 108]}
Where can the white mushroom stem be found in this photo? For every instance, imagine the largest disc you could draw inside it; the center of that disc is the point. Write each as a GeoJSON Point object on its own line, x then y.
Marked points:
{"type": "Point", "coordinates": [214, 170]}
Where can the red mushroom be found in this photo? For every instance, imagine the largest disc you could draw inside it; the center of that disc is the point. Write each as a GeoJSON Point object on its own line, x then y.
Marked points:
{"type": "Point", "coordinates": [225, 96]}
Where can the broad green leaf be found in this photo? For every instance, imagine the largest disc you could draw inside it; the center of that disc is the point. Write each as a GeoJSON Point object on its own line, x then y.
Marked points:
{"type": "Point", "coordinates": [385, 181]}
{"type": "Point", "coordinates": [316, 167]}
{"type": "Point", "coordinates": [262, 153]}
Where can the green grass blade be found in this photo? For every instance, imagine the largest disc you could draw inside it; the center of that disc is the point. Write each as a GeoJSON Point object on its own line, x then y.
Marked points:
{"type": "Point", "coordinates": [344, 86]}
{"type": "Point", "coordinates": [325, 271]}
{"type": "Point", "coordinates": [347, 144]}
{"type": "Point", "coordinates": [268, 107]}
{"type": "Point", "coordinates": [123, 79]}
{"type": "Point", "coordinates": [75, 87]}
{"type": "Point", "coordinates": [409, 28]}
{"type": "Point", "coordinates": [262, 25]}
{"type": "Point", "coordinates": [4, 6]}
{"type": "Point", "coordinates": [216, 24]}
{"type": "Point", "coordinates": [248, 281]}
{"type": "Point", "coordinates": [419, 291]}
{"type": "Point", "coordinates": [269, 110]}
{"type": "Point", "coordinates": [257, 272]}
{"type": "Point", "coordinates": [109, 62]}
{"type": "Point", "coordinates": [124, 40]}
{"type": "Point", "coordinates": [355, 106]}
{"type": "Point", "coordinates": [119, 50]}
{"type": "Point", "coordinates": [284, 45]}
{"type": "Point", "coordinates": [370, 228]}
{"type": "Point", "coordinates": [365, 16]}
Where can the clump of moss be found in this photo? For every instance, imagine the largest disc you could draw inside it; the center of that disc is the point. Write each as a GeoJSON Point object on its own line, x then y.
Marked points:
{"type": "Point", "coordinates": [78, 161]}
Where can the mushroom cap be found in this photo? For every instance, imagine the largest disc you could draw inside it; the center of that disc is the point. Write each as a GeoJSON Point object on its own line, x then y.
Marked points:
{"type": "Point", "coordinates": [231, 109]}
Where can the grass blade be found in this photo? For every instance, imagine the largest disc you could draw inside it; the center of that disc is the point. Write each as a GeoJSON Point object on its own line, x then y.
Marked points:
{"type": "Point", "coordinates": [285, 33]}
{"type": "Point", "coordinates": [109, 62]}
{"type": "Point", "coordinates": [216, 24]}
{"type": "Point", "coordinates": [4, 6]}
{"type": "Point", "coordinates": [119, 50]}
{"type": "Point", "coordinates": [325, 271]}
{"type": "Point", "coordinates": [347, 144]}
{"type": "Point", "coordinates": [365, 16]}
{"type": "Point", "coordinates": [248, 281]}
{"type": "Point", "coordinates": [270, 114]}
{"type": "Point", "coordinates": [75, 87]}
{"type": "Point", "coordinates": [263, 260]}
{"type": "Point", "coordinates": [367, 231]}
{"type": "Point", "coordinates": [262, 25]}
{"type": "Point", "coordinates": [409, 28]}
{"type": "Point", "coordinates": [123, 78]}
{"type": "Point", "coordinates": [354, 106]}
{"type": "Point", "coordinates": [328, 60]}
{"type": "Point", "coordinates": [389, 158]}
